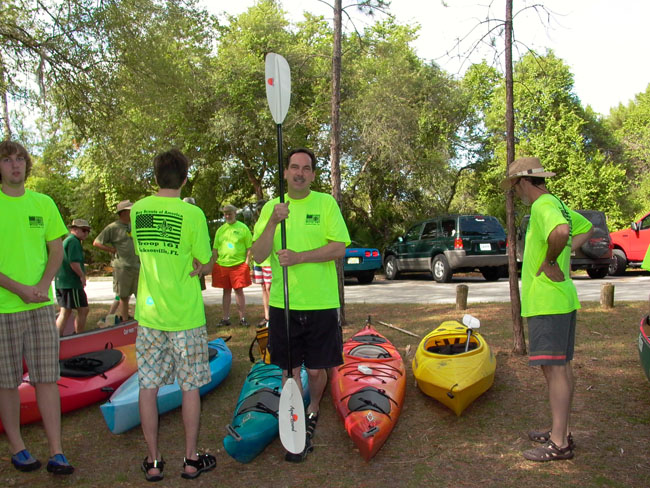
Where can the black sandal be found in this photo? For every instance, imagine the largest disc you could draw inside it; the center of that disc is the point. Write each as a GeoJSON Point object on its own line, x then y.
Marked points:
{"type": "Point", "coordinates": [549, 452]}
{"type": "Point", "coordinates": [146, 466]}
{"type": "Point", "coordinates": [205, 462]}
{"type": "Point", "coordinates": [544, 436]}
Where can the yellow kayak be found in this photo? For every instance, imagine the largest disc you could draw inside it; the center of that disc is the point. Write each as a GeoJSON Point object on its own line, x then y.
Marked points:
{"type": "Point", "coordinates": [446, 371]}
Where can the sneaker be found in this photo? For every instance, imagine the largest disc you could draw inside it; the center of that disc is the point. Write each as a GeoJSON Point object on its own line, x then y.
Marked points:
{"type": "Point", "coordinates": [243, 322]}
{"type": "Point", "coordinates": [224, 323]}
{"type": "Point", "coordinates": [58, 464]}
{"type": "Point", "coordinates": [300, 457]}
{"type": "Point", "coordinates": [23, 461]}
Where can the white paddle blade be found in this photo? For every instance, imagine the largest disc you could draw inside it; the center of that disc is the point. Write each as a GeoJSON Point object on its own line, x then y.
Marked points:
{"type": "Point", "coordinates": [471, 322]}
{"type": "Point", "coordinates": [291, 418]}
{"type": "Point", "coordinates": [278, 86]}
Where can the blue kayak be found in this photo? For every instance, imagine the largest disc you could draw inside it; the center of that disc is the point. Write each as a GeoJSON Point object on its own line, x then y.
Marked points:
{"type": "Point", "coordinates": [255, 422]}
{"type": "Point", "coordinates": [121, 412]}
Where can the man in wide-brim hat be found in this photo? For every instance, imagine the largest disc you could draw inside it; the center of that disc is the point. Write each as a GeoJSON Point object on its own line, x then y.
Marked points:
{"type": "Point", "coordinates": [548, 297]}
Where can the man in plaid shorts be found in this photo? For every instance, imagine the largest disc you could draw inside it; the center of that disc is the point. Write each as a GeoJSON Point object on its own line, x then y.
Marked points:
{"type": "Point", "coordinates": [30, 238]}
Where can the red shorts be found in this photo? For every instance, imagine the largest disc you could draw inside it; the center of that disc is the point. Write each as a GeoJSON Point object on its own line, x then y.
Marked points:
{"type": "Point", "coordinates": [238, 276]}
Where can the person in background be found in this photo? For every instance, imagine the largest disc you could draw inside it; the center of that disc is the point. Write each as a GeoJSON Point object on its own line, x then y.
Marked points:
{"type": "Point", "coordinates": [116, 239]}
{"type": "Point", "coordinates": [171, 237]}
{"type": "Point", "coordinates": [262, 275]}
{"type": "Point", "coordinates": [31, 229]}
{"type": "Point", "coordinates": [548, 298]}
{"type": "Point", "coordinates": [71, 279]}
{"type": "Point", "coordinates": [316, 238]}
{"type": "Point", "coordinates": [230, 253]}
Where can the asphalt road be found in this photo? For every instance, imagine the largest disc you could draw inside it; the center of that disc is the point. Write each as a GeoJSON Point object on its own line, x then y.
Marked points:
{"type": "Point", "coordinates": [634, 286]}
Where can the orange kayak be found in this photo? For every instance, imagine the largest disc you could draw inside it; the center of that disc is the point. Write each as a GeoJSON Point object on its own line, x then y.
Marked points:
{"type": "Point", "coordinates": [368, 389]}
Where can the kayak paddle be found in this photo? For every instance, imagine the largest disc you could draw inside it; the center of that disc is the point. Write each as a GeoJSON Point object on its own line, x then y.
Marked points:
{"type": "Point", "coordinates": [291, 411]}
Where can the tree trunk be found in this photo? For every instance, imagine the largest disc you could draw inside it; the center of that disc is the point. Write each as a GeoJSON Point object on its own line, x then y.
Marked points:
{"type": "Point", "coordinates": [5, 102]}
{"type": "Point", "coordinates": [335, 135]}
{"type": "Point", "coordinates": [519, 342]}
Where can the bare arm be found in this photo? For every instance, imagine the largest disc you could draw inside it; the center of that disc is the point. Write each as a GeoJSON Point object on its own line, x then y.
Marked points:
{"type": "Point", "coordinates": [579, 239]}
{"type": "Point", "coordinates": [76, 267]}
{"type": "Point", "coordinates": [557, 240]}
{"type": "Point", "coordinates": [263, 246]}
{"type": "Point", "coordinates": [104, 247]}
{"type": "Point", "coordinates": [329, 252]}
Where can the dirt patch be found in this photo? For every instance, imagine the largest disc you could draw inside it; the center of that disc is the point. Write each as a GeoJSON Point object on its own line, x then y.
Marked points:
{"type": "Point", "coordinates": [430, 446]}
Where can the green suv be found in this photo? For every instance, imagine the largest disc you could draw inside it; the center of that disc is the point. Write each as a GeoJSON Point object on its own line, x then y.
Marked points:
{"type": "Point", "coordinates": [448, 244]}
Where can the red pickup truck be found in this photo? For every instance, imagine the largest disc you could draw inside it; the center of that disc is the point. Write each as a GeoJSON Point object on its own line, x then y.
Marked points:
{"type": "Point", "coordinates": [630, 246]}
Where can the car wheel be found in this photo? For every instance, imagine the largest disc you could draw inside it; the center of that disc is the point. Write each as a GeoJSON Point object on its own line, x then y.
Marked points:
{"type": "Point", "coordinates": [618, 264]}
{"type": "Point", "coordinates": [390, 266]}
{"type": "Point", "coordinates": [440, 269]}
{"type": "Point", "coordinates": [366, 277]}
{"type": "Point", "coordinates": [597, 273]}
{"type": "Point", "coordinates": [491, 273]}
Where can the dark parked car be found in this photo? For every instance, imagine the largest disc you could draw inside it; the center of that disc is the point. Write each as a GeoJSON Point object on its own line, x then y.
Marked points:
{"type": "Point", "coordinates": [448, 244]}
{"type": "Point", "coordinates": [595, 255]}
{"type": "Point", "coordinates": [361, 262]}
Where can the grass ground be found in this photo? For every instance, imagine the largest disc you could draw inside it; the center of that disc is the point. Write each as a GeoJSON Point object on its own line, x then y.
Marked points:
{"type": "Point", "coordinates": [430, 445]}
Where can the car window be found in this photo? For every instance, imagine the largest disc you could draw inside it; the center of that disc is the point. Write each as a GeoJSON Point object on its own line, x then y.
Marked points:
{"type": "Point", "coordinates": [595, 217]}
{"type": "Point", "coordinates": [480, 226]}
{"type": "Point", "coordinates": [448, 227]}
{"type": "Point", "coordinates": [430, 230]}
{"type": "Point", "coordinates": [413, 234]}
{"type": "Point", "coordinates": [645, 223]}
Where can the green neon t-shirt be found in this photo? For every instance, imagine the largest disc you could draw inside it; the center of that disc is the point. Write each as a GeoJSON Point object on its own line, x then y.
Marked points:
{"type": "Point", "coordinates": [539, 294]}
{"type": "Point", "coordinates": [313, 222]}
{"type": "Point", "coordinates": [72, 253]}
{"type": "Point", "coordinates": [232, 242]}
{"type": "Point", "coordinates": [646, 260]}
{"type": "Point", "coordinates": [168, 234]}
{"type": "Point", "coordinates": [28, 223]}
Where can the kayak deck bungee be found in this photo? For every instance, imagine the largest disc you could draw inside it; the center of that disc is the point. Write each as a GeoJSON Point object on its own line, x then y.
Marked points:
{"type": "Point", "coordinates": [255, 421]}
{"type": "Point", "coordinates": [368, 389]}
{"type": "Point", "coordinates": [452, 371]}
{"type": "Point", "coordinates": [85, 379]}
{"type": "Point", "coordinates": [121, 411]}
{"type": "Point", "coordinates": [644, 346]}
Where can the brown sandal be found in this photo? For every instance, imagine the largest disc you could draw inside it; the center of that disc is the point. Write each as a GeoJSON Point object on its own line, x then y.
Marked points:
{"type": "Point", "coordinates": [544, 436]}
{"type": "Point", "coordinates": [549, 452]}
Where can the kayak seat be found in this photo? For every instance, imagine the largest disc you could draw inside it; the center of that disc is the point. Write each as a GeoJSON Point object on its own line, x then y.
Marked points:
{"type": "Point", "coordinates": [212, 352]}
{"type": "Point", "coordinates": [369, 351]}
{"type": "Point", "coordinates": [265, 400]}
{"type": "Point", "coordinates": [369, 339]}
{"type": "Point", "coordinates": [452, 349]}
{"type": "Point", "coordinates": [91, 363]}
{"type": "Point", "coordinates": [369, 398]}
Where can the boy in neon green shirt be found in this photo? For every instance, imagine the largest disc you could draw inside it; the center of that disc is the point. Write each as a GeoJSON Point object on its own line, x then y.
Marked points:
{"type": "Point", "coordinates": [171, 238]}
{"type": "Point", "coordinates": [30, 238]}
{"type": "Point", "coordinates": [316, 237]}
{"type": "Point", "coordinates": [549, 298]}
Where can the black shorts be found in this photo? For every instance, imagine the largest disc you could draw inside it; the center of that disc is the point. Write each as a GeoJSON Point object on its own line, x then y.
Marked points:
{"type": "Point", "coordinates": [551, 339]}
{"type": "Point", "coordinates": [316, 338]}
{"type": "Point", "coordinates": [71, 298]}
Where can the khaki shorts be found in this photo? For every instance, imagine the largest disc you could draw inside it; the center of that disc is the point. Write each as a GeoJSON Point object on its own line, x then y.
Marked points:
{"type": "Point", "coordinates": [165, 356]}
{"type": "Point", "coordinates": [33, 335]}
{"type": "Point", "coordinates": [125, 281]}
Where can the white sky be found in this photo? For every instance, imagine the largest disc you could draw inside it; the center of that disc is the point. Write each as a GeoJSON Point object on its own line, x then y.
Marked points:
{"type": "Point", "coordinates": [604, 42]}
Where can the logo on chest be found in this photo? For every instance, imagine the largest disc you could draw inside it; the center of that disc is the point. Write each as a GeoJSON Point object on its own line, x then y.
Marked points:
{"type": "Point", "coordinates": [36, 221]}
{"type": "Point", "coordinates": [312, 219]}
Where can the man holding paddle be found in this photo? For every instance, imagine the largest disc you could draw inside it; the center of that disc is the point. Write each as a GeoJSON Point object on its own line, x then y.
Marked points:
{"type": "Point", "coordinates": [316, 236]}
{"type": "Point", "coordinates": [549, 298]}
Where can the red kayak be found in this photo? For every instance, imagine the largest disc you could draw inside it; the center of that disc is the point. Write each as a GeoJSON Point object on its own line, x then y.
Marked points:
{"type": "Point", "coordinates": [118, 335]}
{"type": "Point", "coordinates": [368, 389]}
{"type": "Point", "coordinates": [85, 379]}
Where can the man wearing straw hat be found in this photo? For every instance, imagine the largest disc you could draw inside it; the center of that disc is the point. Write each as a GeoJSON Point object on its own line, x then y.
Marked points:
{"type": "Point", "coordinates": [116, 239]}
{"type": "Point", "coordinates": [549, 298]}
{"type": "Point", "coordinates": [71, 278]}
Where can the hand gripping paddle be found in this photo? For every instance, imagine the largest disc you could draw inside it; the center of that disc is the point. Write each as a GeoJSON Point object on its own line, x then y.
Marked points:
{"type": "Point", "coordinates": [291, 412]}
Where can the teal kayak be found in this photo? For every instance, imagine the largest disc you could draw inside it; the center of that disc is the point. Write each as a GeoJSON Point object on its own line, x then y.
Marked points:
{"type": "Point", "coordinates": [644, 345]}
{"type": "Point", "coordinates": [255, 421]}
{"type": "Point", "coordinates": [121, 412]}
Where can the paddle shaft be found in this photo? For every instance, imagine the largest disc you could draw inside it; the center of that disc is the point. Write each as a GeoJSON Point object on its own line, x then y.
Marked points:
{"type": "Point", "coordinates": [283, 244]}
{"type": "Point", "coordinates": [469, 333]}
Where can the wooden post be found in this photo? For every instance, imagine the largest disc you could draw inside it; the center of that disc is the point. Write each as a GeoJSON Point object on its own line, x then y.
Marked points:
{"type": "Point", "coordinates": [607, 295]}
{"type": "Point", "coordinates": [461, 297]}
